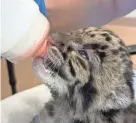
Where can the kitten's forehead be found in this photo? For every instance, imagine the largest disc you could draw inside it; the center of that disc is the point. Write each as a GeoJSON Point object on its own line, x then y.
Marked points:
{"type": "Point", "coordinates": [61, 37]}
{"type": "Point", "coordinates": [89, 35]}
{"type": "Point", "coordinates": [96, 35]}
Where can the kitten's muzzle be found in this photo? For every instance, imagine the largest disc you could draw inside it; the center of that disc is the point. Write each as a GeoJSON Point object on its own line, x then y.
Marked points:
{"type": "Point", "coordinates": [53, 58]}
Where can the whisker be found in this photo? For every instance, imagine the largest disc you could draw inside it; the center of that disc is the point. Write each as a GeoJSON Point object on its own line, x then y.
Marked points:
{"type": "Point", "coordinates": [52, 66]}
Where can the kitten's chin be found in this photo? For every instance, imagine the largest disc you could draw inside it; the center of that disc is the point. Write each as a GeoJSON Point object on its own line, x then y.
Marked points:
{"type": "Point", "coordinates": [51, 62]}
{"type": "Point", "coordinates": [40, 69]}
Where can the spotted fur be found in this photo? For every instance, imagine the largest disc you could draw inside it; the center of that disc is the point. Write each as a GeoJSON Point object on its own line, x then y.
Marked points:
{"type": "Point", "coordinates": [89, 73]}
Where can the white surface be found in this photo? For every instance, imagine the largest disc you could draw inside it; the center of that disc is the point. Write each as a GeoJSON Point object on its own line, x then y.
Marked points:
{"type": "Point", "coordinates": [22, 107]}
{"type": "Point", "coordinates": [132, 14]}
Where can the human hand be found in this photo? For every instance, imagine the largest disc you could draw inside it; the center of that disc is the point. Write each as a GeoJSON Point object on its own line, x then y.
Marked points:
{"type": "Point", "coordinates": [24, 106]}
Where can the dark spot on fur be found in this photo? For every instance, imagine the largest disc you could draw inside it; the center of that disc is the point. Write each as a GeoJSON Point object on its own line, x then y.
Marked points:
{"type": "Point", "coordinates": [50, 109]}
{"type": "Point", "coordinates": [102, 55]}
{"type": "Point", "coordinates": [54, 93]}
{"type": "Point", "coordinates": [87, 46]}
{"type": "Point", "coordinates": [104, 34]}
{"type": "Point", "coordinates": [122, 43]}
{"type": "Point", "coordinates": [62, 44]}
{"type": "Point", "coordinates": [84, 120]}
{"type": "Point", "coordinates": [95, 46]}
{"type": "Point", "coordinates": [108, 38]}
{"type": "Point", "coordinates": [91, 46]}
{"type": "Point", "coordinates": [64, 55]}
{"type": "Point", "coordinates": [115, 52]}
{"type": "Point", "coordinates": [98, 29]}
{"type": "Point", "coordinates": [104, 47]}
{"type": "Point", "coordinates": [72, 88]}
{"type": "Point", "coordinates": [88, 93]}
{"type": "Point", "coordinates": [79, 121]}
{"type": "Point", "coordinates": [62, 73]}
{"type": "Point", "coordinates": [72, 102]}
{"type": "Point", "coordinates": [88, 32]}
{"type": "Point", "coordinates": [92, 35]}
{"type": "Point", "coordinates": [110, 114]}
{"type": "Point", "coordinates": [69, 49]}
{"type": "Point", "coordinates": [121, 49]}
{"type": "Point", "coordinates": [131, 109]}
{"type": "Point", "coordinates": [72, 70]}
{"type": "Point", "coordinates": [123, 55]}
{"type": "Point", "coordinates": [71, 91]}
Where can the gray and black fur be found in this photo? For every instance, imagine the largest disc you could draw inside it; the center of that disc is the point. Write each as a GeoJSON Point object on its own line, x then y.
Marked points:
{"type": "Point", "coordinates": [89, 73]}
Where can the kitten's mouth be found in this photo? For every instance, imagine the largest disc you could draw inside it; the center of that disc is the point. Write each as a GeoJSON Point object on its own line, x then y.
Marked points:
{"type": "Point", "coordinates": [50, 64]}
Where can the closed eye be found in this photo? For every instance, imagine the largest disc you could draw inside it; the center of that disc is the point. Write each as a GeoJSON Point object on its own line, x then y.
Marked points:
{"type": "Point", "coordinates": [83, 53]}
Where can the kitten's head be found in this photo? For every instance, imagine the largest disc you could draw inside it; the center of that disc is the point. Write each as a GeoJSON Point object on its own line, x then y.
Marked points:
{"type": "Point", "coordinates": [66, 59]}
{"type": "Point", "coordinates": [86, 55]}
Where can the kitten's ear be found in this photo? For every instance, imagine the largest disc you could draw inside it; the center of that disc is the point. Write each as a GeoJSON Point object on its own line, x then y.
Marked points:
{"type": "Point", "coordinates": [59, 36]}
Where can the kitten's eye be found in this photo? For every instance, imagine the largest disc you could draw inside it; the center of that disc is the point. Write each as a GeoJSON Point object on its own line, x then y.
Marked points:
{"type": "Point", "coordinates": [83, 54]}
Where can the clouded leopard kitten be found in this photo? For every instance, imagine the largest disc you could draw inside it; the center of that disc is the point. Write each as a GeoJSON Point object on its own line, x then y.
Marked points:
{"type": "Point", "coordinates": [89, 73]}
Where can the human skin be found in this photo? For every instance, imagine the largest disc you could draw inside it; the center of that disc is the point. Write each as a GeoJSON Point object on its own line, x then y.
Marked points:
{"type": "Point", "coordinates": [65, 15]}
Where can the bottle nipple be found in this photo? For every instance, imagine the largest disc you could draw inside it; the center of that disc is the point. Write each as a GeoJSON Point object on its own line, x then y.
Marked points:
{"type": "Point", "coordinates": [42, 49]}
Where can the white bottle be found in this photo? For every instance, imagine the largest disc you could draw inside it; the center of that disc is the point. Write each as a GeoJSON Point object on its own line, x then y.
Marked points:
{"type": "Point", "coordinates": [23, 27]}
